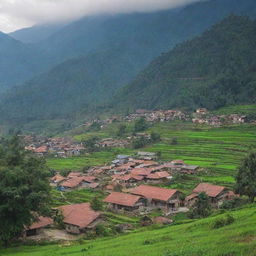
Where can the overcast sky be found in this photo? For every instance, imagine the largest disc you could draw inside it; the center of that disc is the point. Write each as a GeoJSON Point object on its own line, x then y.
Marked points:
{"type": "Point", "coordinates": [16, 14]}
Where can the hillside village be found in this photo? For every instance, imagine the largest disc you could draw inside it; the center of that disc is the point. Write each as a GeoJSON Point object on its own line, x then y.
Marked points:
{"type": "Point", "coordinates": [132, 186]}
{"type": "Point", "coordinates": [64, 147]}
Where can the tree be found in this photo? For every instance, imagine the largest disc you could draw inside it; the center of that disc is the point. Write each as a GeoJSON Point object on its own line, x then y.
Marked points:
{"type": "Point", "coordinates": [96, 204]}
{"type": "Point", "coordinates": [24, 188]}
{"type": "Point", "coordinates": [155, 137]}
{"type": "Point", "coordinates": [121, 130]}
{"type": "Point", "coordinates": [202, 207]}
{"type": "Point", "coordinates": [140, 125]}
{"type": "Point", "coordinates": [140, 142]}
{"type": "Point", "coordinates": [246, 177]}
{"type": "Point", "coordinates": [90, 144]}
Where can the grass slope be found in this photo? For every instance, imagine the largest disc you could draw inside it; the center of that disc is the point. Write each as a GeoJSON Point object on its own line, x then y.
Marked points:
{"type": "Point", "coordinates": [196, 238]}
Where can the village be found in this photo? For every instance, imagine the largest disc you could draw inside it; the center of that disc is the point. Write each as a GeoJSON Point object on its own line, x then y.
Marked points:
{"type": "Point", "coordinates": [63, 147]}
{"type": "Point", "coordinates": [133, 186]}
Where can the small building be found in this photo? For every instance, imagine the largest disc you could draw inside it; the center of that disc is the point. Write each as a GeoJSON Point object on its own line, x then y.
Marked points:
{"type": "Point", "coordinates": [37, 227]}
{"type": "Point", "coordinates": [125, 202]}
{"type": "Point", "coordinates": [55, 180]}
{"type": "Point", "coordinates": [189, 169]}
{"type": "Point", "coordinates": [202, 111]}
{"type": "Point", "coordinates": [72, 183]}
{"type": "Point", "coordinates": [159, 177]}
{"type": "Point", "coordinates": [79, 218]}
{"type": "Point", "coordinates": [41, 151]}
{"type": "Point", "coordinates": [165, 199]}
{"type": "Point", "coordinates": [121, 159]}
{"type": "Point", "coordinates": [147, 155]}
{"type": "Point", "coordinates": [217, 194]}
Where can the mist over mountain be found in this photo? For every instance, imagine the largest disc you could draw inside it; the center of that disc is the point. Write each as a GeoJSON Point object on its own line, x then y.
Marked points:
{"type": "Point", "coordinates": [36, 34]}
{"type": "Point", "coordinates": [97, 56]}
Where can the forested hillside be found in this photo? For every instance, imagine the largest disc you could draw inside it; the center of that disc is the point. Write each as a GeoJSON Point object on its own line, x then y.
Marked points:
{"type": "Point", "coordinates": [18, 61]}
{"type": "Point", "coordinates": [107, 52]}
{"type": "Point", "coordinates": [212, 70]}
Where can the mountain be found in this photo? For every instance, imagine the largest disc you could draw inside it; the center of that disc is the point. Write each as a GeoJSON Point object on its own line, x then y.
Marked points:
{"type": "Point", "coordinates": [213, 70]}
{"type": "Point", "coordinates": [35, 34]}
{"type": "Point", "coordinates": [102, 54]}
{"type": "Point", "coordinates": [18, 62]}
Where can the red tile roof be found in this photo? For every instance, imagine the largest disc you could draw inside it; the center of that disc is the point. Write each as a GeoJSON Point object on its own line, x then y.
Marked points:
{"type": "Point", "coordinates": [74, 174]}
{"type": "Point", "coordinates": [41, 223]}
{"type": "Point", "coordinates": [178, 162]}
{"type": "Point", "coordinates": [162, 194]}
{"type": "Point", "coordinates": [89, 179]}
{"type": "Point", "coordinates": [158, 175]}
{"type": "Point", "coordinates": [42, 149]}
{"type": "Point", "coordinates": [209, 189]}
{"type": "Point", "coordinates": [57, 178]}
{"type": "Point", "coordinates": [122, 199]}
{"type": "Point", "coordinates": [72, 182]}
{"type": "Point", "coordinates": [191, 196]}
{"type": "Point", "coordinates": [80, 215]}
{"type": "Point", "coordinates": [131, 177]}
{"type": "Point", "coordinates": [141, 171]}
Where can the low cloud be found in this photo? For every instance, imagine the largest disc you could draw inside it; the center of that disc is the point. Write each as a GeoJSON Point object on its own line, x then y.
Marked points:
{"type": "Point", "coordinates": [15, 14]}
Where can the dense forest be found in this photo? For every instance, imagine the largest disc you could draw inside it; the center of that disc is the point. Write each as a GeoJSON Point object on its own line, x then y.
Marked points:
{"type": "Point", "coordinates": [212, 70]}
{"type": "Point", "coordinates": [99, 55]}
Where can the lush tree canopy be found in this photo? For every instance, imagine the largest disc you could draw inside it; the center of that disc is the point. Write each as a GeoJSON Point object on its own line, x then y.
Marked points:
{"type": "Point", "coordinates": [246, 177]}
{"type": "Point", "coordinates": [24, 188]}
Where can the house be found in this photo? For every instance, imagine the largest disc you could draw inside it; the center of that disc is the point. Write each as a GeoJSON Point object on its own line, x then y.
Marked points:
{"type": "Point", "coordinates": [121, 159]}
{"type": "Point", "coordinates": [189, 169]}
{"type": "Point", "coordinates": [147, 155]}
{"type": "Point", "coordinates": [158, 177]}
{"type": "Point", "coordinates": [159, 198]}
{"type": "Point", "coordinates": [79, 218]}
{"type": "Point", "coordinates": [178, 163]}
{"type": "Point", "coordinates": [41, 151]}
{"type": "Point", "coordinates": [55, 180]}
{"type": "Point", "coordinates": [126, 202]}
{"type": "Point", "coordinates": [72, 183]}
{"type": "Point", "coordinates": [202, 111]}
{"type": "Point", "coordinates": [217, 194]}
{"type": "Point", "coordinates": [37, 227]}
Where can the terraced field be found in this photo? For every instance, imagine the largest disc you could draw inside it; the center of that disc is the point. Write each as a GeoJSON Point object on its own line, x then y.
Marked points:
{"type": "Point", "coordinates": [218, 150]}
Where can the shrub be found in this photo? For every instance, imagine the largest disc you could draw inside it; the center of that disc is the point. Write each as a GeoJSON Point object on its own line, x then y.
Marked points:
{"type": "Point", "coordinates": [223, 221]}
{"type": "Point", "coordinates": [231, 204]}
{"type": "Point", "coordinates": [101, 230]}
{"type": "Point", "coordinates": [140, 142]}
{"type": "Point", "coordinates": [174, 141]}
{"type": "Point", "coordinates": [155, 137]}
{"type": "Point", "coordinates": [96, 204]}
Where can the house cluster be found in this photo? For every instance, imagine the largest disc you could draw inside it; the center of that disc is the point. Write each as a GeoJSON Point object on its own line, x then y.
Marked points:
{"type": "Point", "coordinates": [124, 172]}
{"type": "Point", "coordinates": [132, 187]}
{"type": "Point", "coordinates": [202, 116]}
{"type": "Point", "coordinates": [59, 147]}
{"type": "Point", "coordinates": [74, 180]}
{"type": "Point", "coordinates": [157, 115]}
{"type": "Point", "coordinates": [77, 218]}
{"type": "Point", "coordinates": [80, 218]}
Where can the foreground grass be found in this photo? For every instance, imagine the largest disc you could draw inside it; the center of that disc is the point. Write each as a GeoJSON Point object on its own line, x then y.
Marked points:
{"type": "Point", "coordinates": [196, 238]}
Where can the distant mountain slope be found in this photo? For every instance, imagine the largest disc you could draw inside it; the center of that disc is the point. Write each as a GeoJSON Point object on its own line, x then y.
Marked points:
{"type": "Point", "coordinates": [213, 70]}
{"type": "Point", "coordinates": [158, 30]}
{"type": "Point", "coordinates": [109, 51]}
{"type": "Point", "coordinates": [18, 62]}
{"type": "Point", "coordinates": [35, 34]}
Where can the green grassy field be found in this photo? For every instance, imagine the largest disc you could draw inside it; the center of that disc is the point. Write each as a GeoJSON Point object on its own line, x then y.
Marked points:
{"type": "Point", "coordinates": [237, 109]}
{"type": "Point", "coordinates": [196, 238]}
{"type": "Point", "coordinates": [218, 150]}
